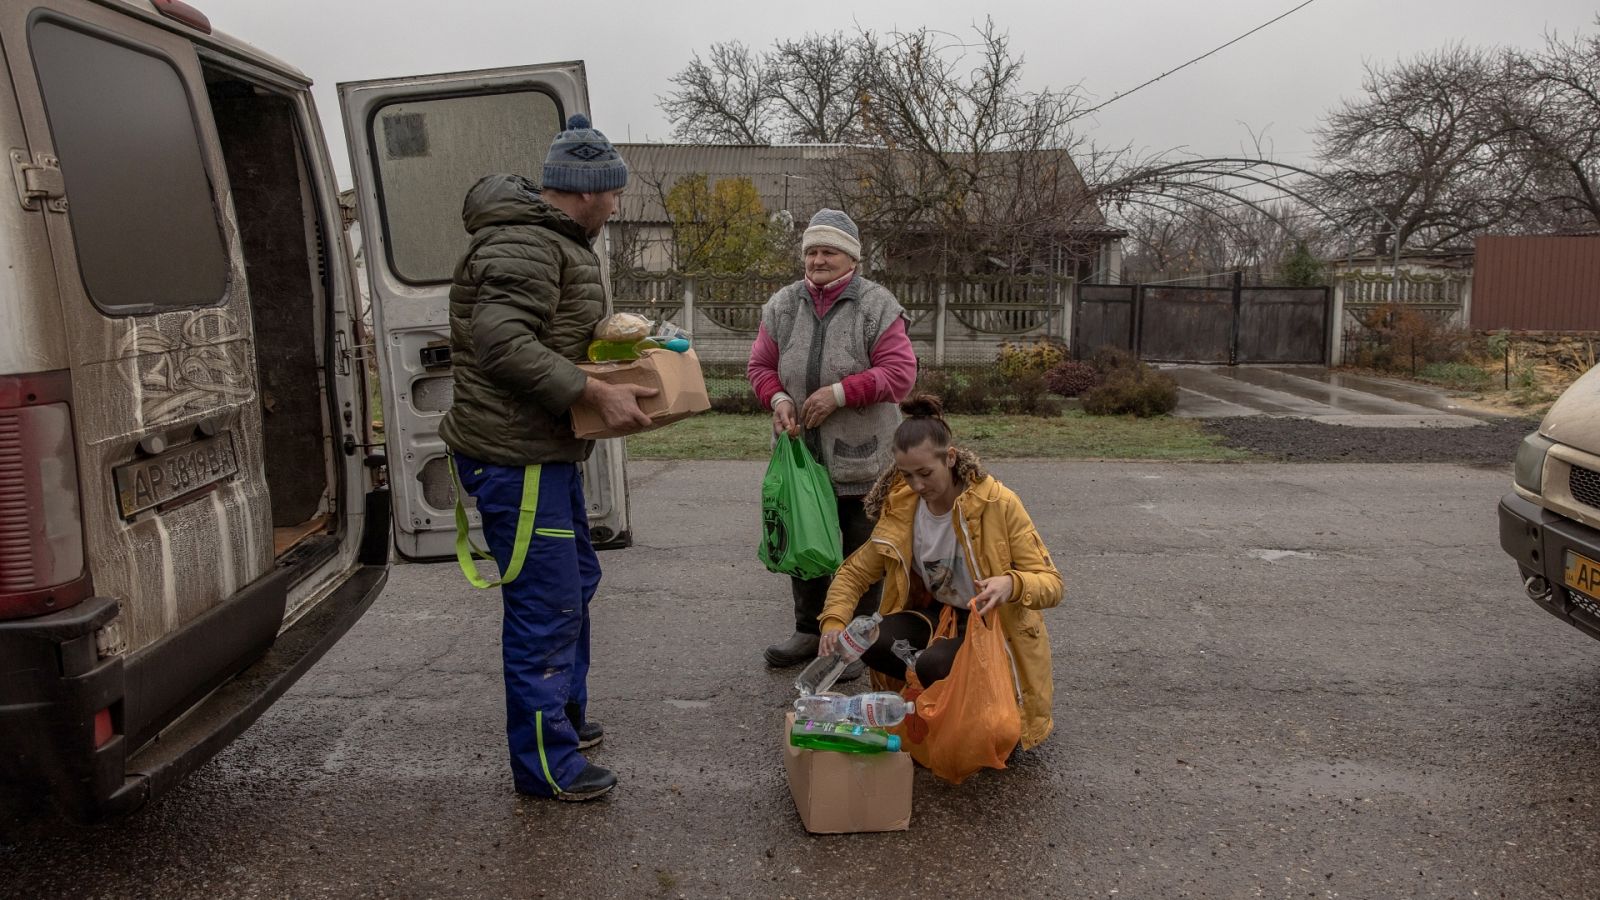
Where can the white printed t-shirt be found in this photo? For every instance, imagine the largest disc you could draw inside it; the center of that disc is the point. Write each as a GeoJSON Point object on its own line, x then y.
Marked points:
{"type": "Point", "coordinates": [940, 562]}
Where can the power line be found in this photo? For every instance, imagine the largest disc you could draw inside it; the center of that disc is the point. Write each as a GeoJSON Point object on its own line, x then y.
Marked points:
{"type": "Point", "coordinates": [1196, 59]}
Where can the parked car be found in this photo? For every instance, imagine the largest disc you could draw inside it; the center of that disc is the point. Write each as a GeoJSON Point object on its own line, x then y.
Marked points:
{"type": "Point", "coordinates": [192, 509]}
{"type": "Point", "coordinates": [1550, 522]}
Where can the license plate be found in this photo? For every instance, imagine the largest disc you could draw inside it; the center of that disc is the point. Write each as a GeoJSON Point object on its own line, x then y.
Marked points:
{"type": "Point", "coordinates": [148, 483]}
{"type": "Point", "coordinates": [1582, 574]}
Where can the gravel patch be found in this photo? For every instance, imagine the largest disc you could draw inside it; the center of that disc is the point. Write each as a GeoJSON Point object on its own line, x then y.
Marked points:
{"type": "Point", "coordinates": [1304, 440]}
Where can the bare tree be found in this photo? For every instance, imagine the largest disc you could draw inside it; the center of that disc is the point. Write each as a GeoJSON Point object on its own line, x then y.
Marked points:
{"type": "Point", "coordinates": [952, 162]}
{"type": "Point", "coordinates": [725, 98]}
{"type": "Point", "coordinates": [1422, 151]}
{"type": "Point", "coordinates": [964, 163]}
{"type": "Point", "coordinates": [1551, 117]}
{"type": "Point", "coordinates": [1165, 243]}
{"type": "Point", "coordinates": [803, 91]}
{"type": "Point", "coordinates": [816, 84]}
{"type": "Point", "coordinates": [1168, 241]}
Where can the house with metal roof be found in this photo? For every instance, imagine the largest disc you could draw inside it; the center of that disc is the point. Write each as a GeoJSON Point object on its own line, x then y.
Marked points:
{"type": "Point", "coordinates": [793, 181]}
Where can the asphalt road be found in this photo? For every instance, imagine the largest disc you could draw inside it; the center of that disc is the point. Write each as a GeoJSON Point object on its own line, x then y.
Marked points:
{"type": "Point", "coordinates": [1272, 680]}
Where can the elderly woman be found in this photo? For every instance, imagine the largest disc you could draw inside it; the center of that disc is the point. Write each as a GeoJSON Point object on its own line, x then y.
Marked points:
{"type": "Point", "coordinates": [832, 361]}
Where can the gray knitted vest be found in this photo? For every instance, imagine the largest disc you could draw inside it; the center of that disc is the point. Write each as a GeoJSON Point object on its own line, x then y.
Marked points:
{"type": "Point", "coordinates": [855, 445]}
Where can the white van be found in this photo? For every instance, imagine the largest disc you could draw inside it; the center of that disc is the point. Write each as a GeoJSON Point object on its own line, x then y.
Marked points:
{"type": "Point", "coordinates": [1550, 521]}
{"type": "Point", "coordinates": [191, 508]}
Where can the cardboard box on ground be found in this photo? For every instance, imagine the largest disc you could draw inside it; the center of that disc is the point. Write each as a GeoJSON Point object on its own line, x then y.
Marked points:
{"type": "Point", "coordinates": [842, 793]}
{"type": "Point", "coordinates": [676, 376]}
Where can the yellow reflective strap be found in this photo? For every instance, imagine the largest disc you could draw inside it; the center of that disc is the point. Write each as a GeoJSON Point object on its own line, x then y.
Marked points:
{"type": "Point", "coordinates": [555, 532]}
{"type": "Point", "coordinates": [538, 727]}
{"type": "Point", "coordinates": [466, 551]}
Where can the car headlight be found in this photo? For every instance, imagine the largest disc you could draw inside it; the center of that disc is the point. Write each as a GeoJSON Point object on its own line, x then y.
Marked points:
{"type": "Point", "coordinates": [1529, 470]}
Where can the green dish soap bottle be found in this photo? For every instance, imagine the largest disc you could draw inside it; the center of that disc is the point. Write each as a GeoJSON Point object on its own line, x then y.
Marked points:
{"type": "Point", "coordinates": [619, 351]}
{"type": "Point", "coordinates": [842, 737]}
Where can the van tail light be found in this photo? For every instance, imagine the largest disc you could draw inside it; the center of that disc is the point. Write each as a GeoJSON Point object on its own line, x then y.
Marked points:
{"type": "Point", "coordinates": [41, 519]}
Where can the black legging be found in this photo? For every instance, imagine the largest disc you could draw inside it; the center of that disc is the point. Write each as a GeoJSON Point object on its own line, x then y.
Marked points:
{"type": "Point", "coordinates": [916, 628]}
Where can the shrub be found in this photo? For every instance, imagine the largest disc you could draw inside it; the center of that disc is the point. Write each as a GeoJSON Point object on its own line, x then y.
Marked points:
{"type": "Point", "coordinates": [1525, 387]}
{"type": "Point", "coordinates": [1463, 376]}
{"type": "Point", "coordinates": [1109, 359]}
{"type": "Point", "coordinates": [1071, 377]}
{"type": "Point", "coordinates": [961, 392]}
{"type": "Point", "coordinates": [1139, 391]}
{"type": "Point", "coordinates": [1026, 395]}
{"type": "Point", "coordinates": [1036, 358]}
{"type": "Point", "coordinates": [1400, 338]}
{"type": "Point", "coordinates": [989, 392]}
{"type": "Point", "coordinates": [1499, 343]}
{"type": "Point", "coordinates": [1301, 268]}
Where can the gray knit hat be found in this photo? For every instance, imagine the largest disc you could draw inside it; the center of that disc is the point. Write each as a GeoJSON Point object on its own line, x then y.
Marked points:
{"type": "Point", "coordinates": [832, 228]}
{"type": "Point", "coordinates": [582, 161]}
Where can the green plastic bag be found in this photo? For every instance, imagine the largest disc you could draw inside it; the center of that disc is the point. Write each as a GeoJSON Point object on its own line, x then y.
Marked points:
{"type": "Point", "coordinates": [799, 515]}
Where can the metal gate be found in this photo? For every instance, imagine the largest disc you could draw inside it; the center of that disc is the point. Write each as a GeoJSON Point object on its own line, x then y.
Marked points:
{"type": "Point", "coordinates": [1215, 325]}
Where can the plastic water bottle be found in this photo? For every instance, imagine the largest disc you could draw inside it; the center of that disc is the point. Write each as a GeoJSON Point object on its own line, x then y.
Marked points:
{"type": "Point", "coordinates": [879, 710]}
{"type": "Point", "coordinates": [908, 654]}
{"type": "Point", "coordinates": [853, 641]}
{"type": "Point", "coordinates": [842, 737]}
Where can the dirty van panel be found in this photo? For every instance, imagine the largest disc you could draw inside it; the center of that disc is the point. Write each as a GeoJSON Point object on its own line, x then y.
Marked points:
{"type": "Point", "coordinates": [176, 511]}
{"type": "Point", "coordinates": [198, 524]}
{"type": "Point", "coordinates": [31, 330]}
{"type": "Point", "coordinates": [417, 144]}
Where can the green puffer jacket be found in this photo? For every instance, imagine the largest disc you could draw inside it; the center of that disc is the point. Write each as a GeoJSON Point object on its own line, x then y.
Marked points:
{"type": "Point", "coordinates": [526, 298]}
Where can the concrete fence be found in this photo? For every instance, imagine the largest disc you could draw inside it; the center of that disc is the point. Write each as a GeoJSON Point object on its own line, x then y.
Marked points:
{"type": "Point", "coordinates": [1444, 295]}
{"type": "Point", "coordinates": [954, 321]}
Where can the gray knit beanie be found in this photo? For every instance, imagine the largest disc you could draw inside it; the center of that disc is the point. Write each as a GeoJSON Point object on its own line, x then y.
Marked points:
{"type": "Point", "coordinates": [832, 228]}
{"type": "Point", "coordinates": [582, 161]}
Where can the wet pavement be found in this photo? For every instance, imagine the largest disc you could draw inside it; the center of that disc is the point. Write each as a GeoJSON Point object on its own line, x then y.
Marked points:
{"type": "Point", "coordinates": [1335, 398]}
{"type": "Point", "coordinates": [1271, 681]}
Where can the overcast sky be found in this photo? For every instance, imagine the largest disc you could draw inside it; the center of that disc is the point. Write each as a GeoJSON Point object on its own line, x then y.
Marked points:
{"type": "Point", "coordinates": [1278, 81]}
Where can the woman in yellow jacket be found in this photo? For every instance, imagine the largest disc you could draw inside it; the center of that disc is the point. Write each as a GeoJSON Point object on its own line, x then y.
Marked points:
{"type": "Point", "coordinates": [948, 534]}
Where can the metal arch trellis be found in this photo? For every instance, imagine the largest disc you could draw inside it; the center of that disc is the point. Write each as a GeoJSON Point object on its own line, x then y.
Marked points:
{"type": "Point", "coordinates": [1139, 200]}
{"type": "Point", "coordinates": [1163, 180]}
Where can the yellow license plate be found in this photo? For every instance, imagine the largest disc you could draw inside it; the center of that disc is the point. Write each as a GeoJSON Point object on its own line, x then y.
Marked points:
{"type": "Point", "coordinates": [1582, 574]}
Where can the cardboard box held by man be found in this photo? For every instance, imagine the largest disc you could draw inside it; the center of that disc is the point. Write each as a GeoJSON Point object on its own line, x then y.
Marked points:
{"type": "Point", "coordinates": [673, 374]}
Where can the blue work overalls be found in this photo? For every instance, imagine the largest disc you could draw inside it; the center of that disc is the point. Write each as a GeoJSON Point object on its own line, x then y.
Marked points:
{"type": "Point", "coordinates": [545, 635]}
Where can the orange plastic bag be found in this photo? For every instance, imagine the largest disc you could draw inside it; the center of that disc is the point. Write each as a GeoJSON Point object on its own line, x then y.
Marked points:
{"type": "Point", "coordinates": [970, 720]}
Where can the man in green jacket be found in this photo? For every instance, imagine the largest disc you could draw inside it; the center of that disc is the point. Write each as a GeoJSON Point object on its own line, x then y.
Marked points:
{"type": "Point", "coordinates": [523, 307]}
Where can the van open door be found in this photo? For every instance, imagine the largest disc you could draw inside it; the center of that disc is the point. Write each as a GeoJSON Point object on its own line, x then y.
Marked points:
{"type": "Point", "coordinates": [416, 145]}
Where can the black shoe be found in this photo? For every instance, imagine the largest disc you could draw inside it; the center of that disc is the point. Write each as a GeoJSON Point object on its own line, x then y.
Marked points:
{"type": "Point", "coordinates": [850, 673]}
{"type": "Point", "coordinates": [799, 648]}
{"type": "Point", "coordinates": [592, 782]}
{"type": "Point", "coordinates": [590, 734]}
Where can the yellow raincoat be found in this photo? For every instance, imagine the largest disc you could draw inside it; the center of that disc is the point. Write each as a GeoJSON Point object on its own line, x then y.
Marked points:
{"type": "Point", "coordinates": [997, 535]}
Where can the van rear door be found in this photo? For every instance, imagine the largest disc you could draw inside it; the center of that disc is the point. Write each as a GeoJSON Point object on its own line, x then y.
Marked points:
{"type": "Point", "coordinates": [165, 406]}
{"type": "Point", "coordinates": [416, 145]}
